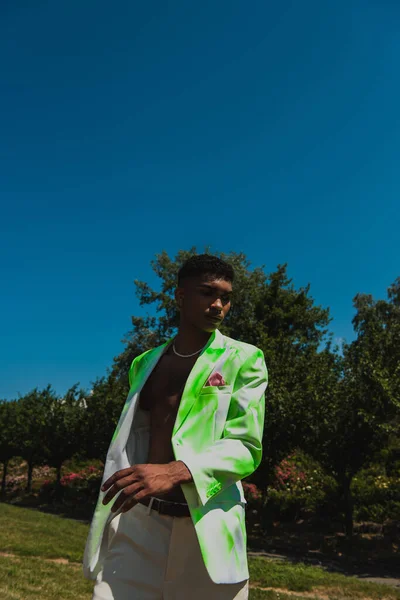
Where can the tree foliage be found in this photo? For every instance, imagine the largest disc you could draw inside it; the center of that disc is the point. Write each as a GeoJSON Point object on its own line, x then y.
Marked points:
{"type": "Point", "coordinates": [103, 408]}
{"type": "Point", "coordinates": [32, 417]}
{"type": "Point", "coordinates": [363, 409]}
{"type": "Point", "coordinates": [341, 408]}
{"type": "Point", "coordinates": [64, 430]}
{"type": "Point", "coordinates": [8, 446]}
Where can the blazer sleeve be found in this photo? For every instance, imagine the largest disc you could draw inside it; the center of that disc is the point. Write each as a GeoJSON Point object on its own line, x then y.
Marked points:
{"type": "Point", "coordinates": [238, 453]}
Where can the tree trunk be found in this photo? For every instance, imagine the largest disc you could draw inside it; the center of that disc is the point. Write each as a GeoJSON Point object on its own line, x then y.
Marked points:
{"type": "Point", "coordinates": [58, 490]}
{"type": "Point", "coordinates": [266, 515]}
{"type": "Point", "coordinates": [348, 506]}
{"type": "Point", "coordinates": [58, 471]}
{"type": "Point", "coordinates": [29, 484]}
{"type": "Point", "coordinates": [3, 481]}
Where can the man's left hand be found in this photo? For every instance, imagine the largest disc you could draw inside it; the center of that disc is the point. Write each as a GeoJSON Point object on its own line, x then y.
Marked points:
{"type": "Point", "coordinates": [143, 481]}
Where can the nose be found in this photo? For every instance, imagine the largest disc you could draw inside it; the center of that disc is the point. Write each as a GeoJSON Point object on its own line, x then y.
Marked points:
{"type": "Point", "coordinates": [217, 304]}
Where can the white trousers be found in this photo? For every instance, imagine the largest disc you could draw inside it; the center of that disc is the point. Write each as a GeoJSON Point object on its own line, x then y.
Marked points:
{"type": "Point", "coordinates": [157, 557]}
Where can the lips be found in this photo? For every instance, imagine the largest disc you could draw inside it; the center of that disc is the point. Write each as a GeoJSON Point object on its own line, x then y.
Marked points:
{"type": "Point", "coordinates": [214, 319]}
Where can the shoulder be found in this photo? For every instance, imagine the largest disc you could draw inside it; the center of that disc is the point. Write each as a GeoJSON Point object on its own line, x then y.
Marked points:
{"type": "Point", "coordinates": [140, 360]}
{"type": "Point", "coordinates": [247, 363]}
{"type": "Point", "coordinates": [242, 351]}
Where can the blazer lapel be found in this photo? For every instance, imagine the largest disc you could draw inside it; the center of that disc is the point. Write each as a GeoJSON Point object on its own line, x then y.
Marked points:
{"type": "Point", "coordinates": [198, 376]}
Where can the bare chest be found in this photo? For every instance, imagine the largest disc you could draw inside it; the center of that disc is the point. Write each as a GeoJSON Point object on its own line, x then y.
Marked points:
{"type": "Point", "coordinates": [163, 390]}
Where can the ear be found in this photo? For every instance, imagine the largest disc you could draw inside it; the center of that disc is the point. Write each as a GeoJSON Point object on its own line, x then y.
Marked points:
{"type": "Point", "coordinates": [179, 294]}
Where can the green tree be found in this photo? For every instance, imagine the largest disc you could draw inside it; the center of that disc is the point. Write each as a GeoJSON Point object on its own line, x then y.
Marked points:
{"type": "Point", "coordinates": [103, 408]}
{"type": "Point", "coordinates": [144, 335]}
{"type": "Point", "coordinates": [64, 427]}
{"type": "Point", "coordinates": [362, 411]}
{"type": "Point", "coordinates": [33, 411]}
{"type": "Point", "coordinates": [8, 447]}
{"type": "Point", "coordinates": [292, 332]}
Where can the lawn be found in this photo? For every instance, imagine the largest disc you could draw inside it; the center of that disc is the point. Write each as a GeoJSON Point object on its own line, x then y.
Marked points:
{"type": "Point", "coordinates": [40, 557]}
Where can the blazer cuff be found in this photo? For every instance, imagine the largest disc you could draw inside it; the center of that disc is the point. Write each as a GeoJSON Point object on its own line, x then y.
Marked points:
{"type": "Point", "coordinates": [207, 486]}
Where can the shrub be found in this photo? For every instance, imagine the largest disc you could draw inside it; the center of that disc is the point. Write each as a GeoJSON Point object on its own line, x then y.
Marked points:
{"type": "Point", "coordinates": [300, 486]}
{"type": "Point", "coordinates": [254, 500]}
{"type": "Point", "coordinates": [376, 496]}
{"type": "Point", "coordinates": [252, 494]}
{"type": "Point", "coordinates": [75, 488]}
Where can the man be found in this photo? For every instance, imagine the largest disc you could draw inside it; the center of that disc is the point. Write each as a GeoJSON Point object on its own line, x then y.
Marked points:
{"type": "Point", "coordinates": [169, 523]}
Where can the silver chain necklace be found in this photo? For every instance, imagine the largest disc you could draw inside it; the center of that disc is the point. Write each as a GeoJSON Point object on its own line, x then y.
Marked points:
{"type": "Point", "coordinates": [186, 355]}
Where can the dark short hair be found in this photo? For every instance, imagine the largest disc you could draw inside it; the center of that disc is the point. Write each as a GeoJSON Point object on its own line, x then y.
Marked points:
{"type": "Point", "coordinates": [206, 265]}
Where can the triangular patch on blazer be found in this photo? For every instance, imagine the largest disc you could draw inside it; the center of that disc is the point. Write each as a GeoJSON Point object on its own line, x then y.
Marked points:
{"type": "Point", "coordinates": [198, 376]}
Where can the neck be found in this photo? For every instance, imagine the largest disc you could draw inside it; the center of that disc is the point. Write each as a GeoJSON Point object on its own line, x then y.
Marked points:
{"type": "Point", "coordinates": [190, 339]}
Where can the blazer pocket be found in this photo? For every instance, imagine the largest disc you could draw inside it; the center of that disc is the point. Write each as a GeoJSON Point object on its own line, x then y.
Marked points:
{"type": "Point", "coordinates": [216, 389]}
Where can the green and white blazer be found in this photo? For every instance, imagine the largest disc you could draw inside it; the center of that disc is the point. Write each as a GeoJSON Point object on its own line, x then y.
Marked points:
{"type": "Point", "coordinates": [218, 435]}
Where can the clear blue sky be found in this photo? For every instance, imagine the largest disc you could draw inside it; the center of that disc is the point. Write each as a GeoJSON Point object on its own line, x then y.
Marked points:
{"type": "Point", "coordinates": [130, 127]}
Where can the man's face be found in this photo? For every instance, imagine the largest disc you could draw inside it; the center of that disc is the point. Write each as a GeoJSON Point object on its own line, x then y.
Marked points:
{"type": "Point", "coordinates": [204, 301]}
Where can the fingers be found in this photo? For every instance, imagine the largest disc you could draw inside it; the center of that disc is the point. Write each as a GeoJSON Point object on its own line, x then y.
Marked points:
{"type": "Point", "coordinates": [120, 484]}
{"type": "Point", "coordinates": [118, 475]}
{"type": "Point", "coordinates": [127, 505]}
{"type": "Point", "coordinates": [126, 496]}
{"type": "Point", "coordinates": [130, 503]}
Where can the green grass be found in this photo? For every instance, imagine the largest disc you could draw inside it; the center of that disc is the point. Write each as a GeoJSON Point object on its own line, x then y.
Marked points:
{"type": "Point", "coordinates": [272, 595]}
{"type": "Point", "coordinates": [305, 578]}
{"type": "Point", "coordinates": [28, 577]}
{"type": "Point", "coordinates": [31, 541]}
{"type": "Point", "coordinates": [29, 532]}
